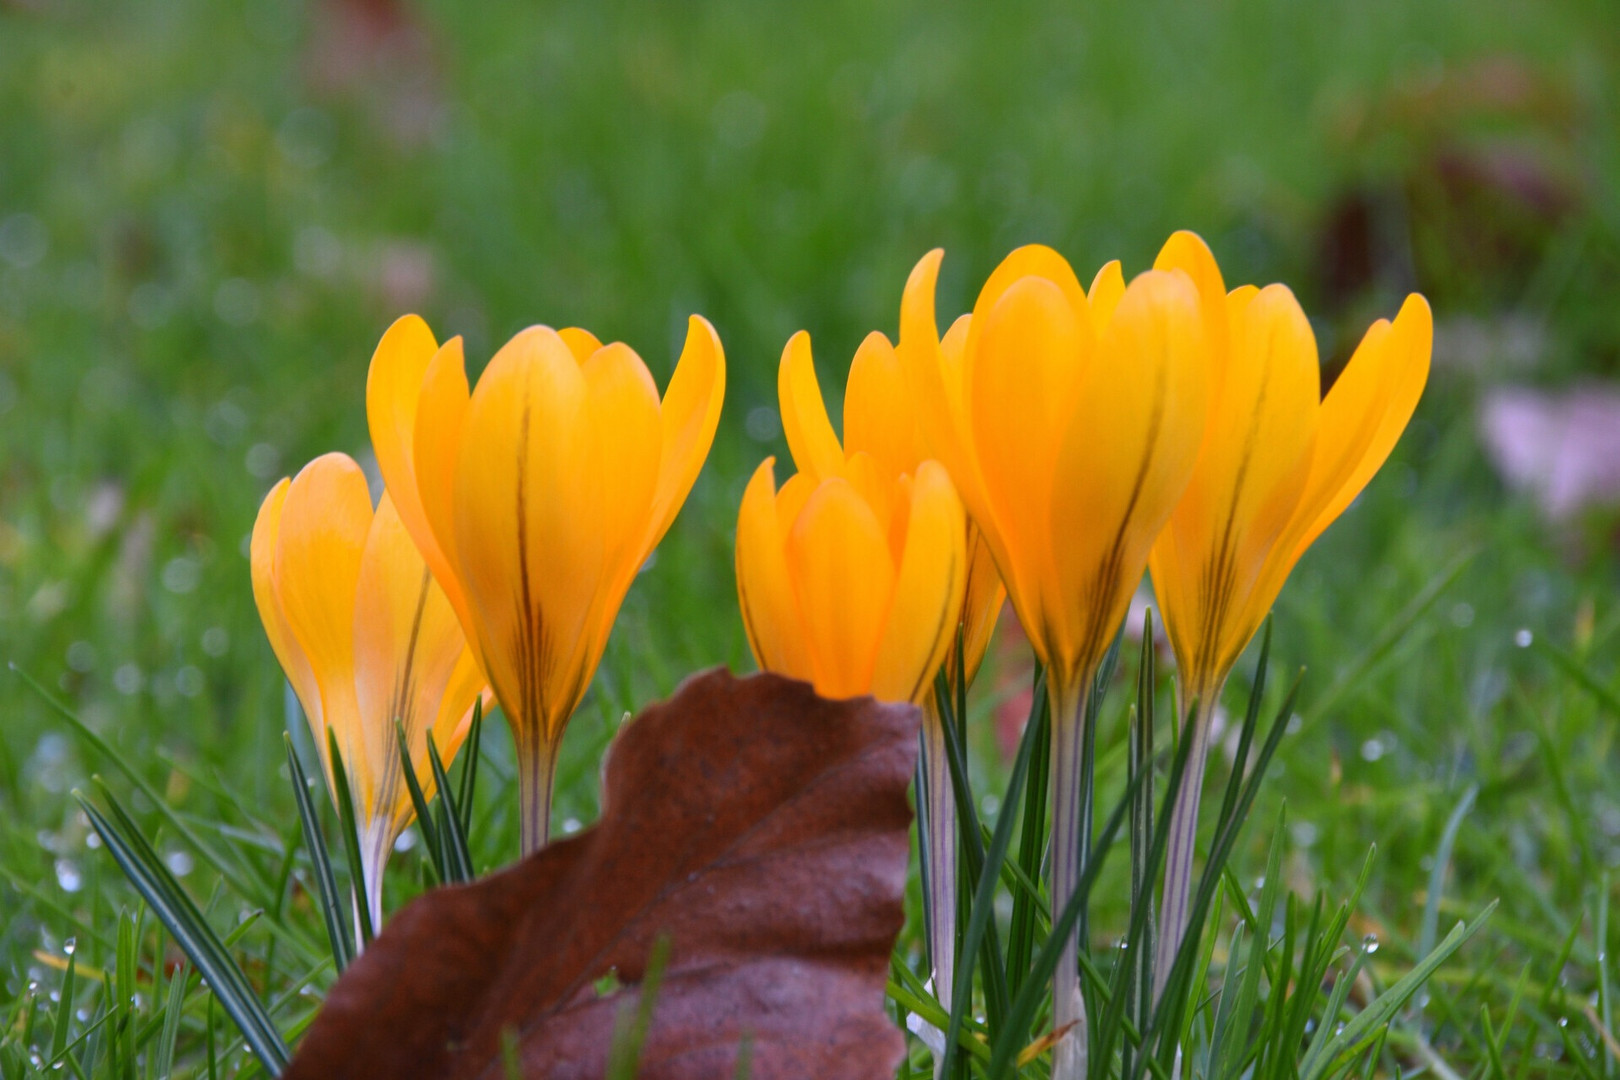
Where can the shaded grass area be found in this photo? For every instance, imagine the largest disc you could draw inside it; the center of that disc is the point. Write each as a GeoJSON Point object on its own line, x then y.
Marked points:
{"type": "Point", "coordinates": [208, 214]}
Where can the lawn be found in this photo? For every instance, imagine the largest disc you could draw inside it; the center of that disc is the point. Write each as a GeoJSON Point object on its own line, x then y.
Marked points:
{"type": "Point", "coordinates": [210, 212]}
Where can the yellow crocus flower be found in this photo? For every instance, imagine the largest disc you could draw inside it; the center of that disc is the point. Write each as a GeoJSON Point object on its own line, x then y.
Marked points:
{"type": "Point", "coordinates": [1278, 464]}
{"type": "Point", "coordinates": [852, 583]}
{"type": "Point", "coordinates": [536, 498]}
{"type": "Point", "coordinates": [1070, 423]}
{"type": "Point", "coordinates": [880, 422]}
{"type": "Point", "coordinates": [367, 638]}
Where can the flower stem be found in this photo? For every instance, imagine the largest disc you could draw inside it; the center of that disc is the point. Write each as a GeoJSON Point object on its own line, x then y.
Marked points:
{"type": "Point", "coordinates": [1178, 864]}
{"type": "Point", "coordinates": [537, 772]}
{"type": "Point", "coordinates": [939, 851]}
{"type": "Point", "coordinates": [1071, 826]}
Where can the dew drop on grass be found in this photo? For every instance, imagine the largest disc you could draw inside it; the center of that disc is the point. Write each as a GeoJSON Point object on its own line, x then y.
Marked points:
{"type": "Point", "coordinates": [68, 876]}
{"type": "Point", "coordinates": [1524, 638]}
{"type": "Point", "coordinates": [1369, 944]}
{"type": "Point", "coordinates": [70, 946]}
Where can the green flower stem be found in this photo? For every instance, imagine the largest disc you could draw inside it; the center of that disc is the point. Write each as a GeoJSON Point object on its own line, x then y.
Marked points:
{"type": "Point", "coordinates": [537, 773]}
{"type": "Point", "coordinates": [1071, 821]}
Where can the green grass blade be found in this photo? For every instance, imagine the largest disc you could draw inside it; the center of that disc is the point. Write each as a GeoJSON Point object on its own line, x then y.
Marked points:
{"type": "Point", "coordinates": [1031, 839]}
{"type": "Point", "coordinates": [1365, 1027]}
{"type": "Point", "coordinates": [469, 767]}
{"type": "Point", "coordinates": [1010, 1039]}
{"type": "Point", "coordinates": [337, 926]}
{"type": "Point", "coordinates": [351, 837]}
{"type": "Point", "coordinates": [191, 932]}
{"type": "Point", "coordinates": [64, 1007]}
{"type": "Point", "coordinates": [982, 909]}
{"type": "Point", "coordinates": [173, 1007]}
{"type": "Point", "coordinates": [424, 813]}
{"type": "Point", "coordinates": [453, 838]}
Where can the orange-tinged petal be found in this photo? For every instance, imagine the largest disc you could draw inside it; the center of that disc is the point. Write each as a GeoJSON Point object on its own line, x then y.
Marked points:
{"type": "Point", "coordinates": [927, 607]}
{"type": "Point", "coordinates": [1106, 289]}
{"type": "Point", "coordinates": [622, 423]}
{"type": "Point", "coordinates": [843, 577]}
{"type": "Point", "coordinates": [324, 523]}
{"type": "Point", "coordinates": [1250, 475]}
{"type": "Point", "coordinates": [809, 432]}
{"type": "Point", "coordinates": [1030, 351]}
{"type": "Point", "coordinates": [408, 645]}
{"type": "Point", "coordinates": [1126, 457]}
{"type": "Point", "coordinates": [764, 591]}
{"type": "Point", "coordinates": [983, 598]}
{"type": "Point", "coordinates": [528, 517]}
{"type": "Point", "coordinates": [267, 596]}
{"type": "Point", "coordinates": [1187, 252]}
{"type": "Point", "coordinates": [1396, 386]}
{"type": "Point", "coordinates": [581, 342]}
{"type": "Point", "coordinates": [441, 413]}
{"type": "Point", "coordinates": [688, 417]}
{"type": "Point", "coordinates": [935, 376]}
{"type": "Point", "coordinates": [879, 414]}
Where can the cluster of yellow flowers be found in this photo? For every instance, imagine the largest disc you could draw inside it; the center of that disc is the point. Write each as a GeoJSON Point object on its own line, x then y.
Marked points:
{"type": "Point", "coordinates": [1052, 446]}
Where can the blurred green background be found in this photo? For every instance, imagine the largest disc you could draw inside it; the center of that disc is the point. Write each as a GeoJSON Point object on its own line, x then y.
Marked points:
{"type": "Point", "coordinates": [209, 212]}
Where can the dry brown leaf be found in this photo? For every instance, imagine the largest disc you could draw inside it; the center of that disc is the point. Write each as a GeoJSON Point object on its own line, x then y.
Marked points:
{"type": "Point", "coordinates": [763, 829]}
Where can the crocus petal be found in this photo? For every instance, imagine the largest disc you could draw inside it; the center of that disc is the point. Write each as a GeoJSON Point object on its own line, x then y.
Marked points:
{"type": "Point", "coordinates": [266, 595]}
{"type": "Point", "coordinates": [1251, 472]}
{"type": "Point", "coordinates": [1368, 408]}
{"type": "Point", "coordinates": [1029, 351]}
{"type": "Point", "coordinates": [408, 645]}
{"type": "Point", "coordinates": [764, 590]}
{"type": "Point", "coordinates": [928, 591]}
{"type": "Point", "coordinates": [879, 414]}
{"type": "Point", "coordinates": [843, 578]}
{"type": "Point", "coordinates": [622, 423]}
{"type": "Point", "coordinates": [581, 342]}
{"type": "Point", "coordinates": [1106, 289]}
{"type": "Point", "coordinates": [527, 527]}
{"type": "Point", "coordinates": [324, 523]}
{"type": "Point", "coordinates": [1132, 439]}
{"type": "Point", "coordinates": [810, 436]}
{"type": "Point", "coordinates": [935, 377]}
{"type": "Point", "coordinates": [1187, 252]}
{"type": "Point", "coordinates": [689, 415]}
{"type": "Point", "coordinates": [983, 599]}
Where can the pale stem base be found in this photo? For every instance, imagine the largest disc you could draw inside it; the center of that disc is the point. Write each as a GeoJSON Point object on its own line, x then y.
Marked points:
{"type": "Point", "coordinates": [537, 773]}
{"type": "Point", "coordinates": [939, 845]}
{"type": "Point", "coordinates": [1178, 859]}
{"type": "Point", "coordinates": [1070, 823]}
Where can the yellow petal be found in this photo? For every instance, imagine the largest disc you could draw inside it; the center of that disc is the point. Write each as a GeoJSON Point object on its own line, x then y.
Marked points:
{"type": "Point", "coordinates": [983, 599]}
{"type": "Point", "coordinates": [1187, 252]}
{"type": "Point", "coordinates": [424, 493]}
{"type": "Point", "coordinates": [266, 595]}
{"type": "Point", "coordinates": [935, 377]}
{"type": "Point", "coordinates": [764, 591]}
{"type": "Point", "coordinates": [324, 523]}
{"type": "Point", "coordinates": [810, 436]}
{"type": "Point", "coordinates": [408, 645]}
{"type": "Point", "coordinates": [1368, 408]}
{"type": "Point", "coordinates": [879, 414]}
{"type": "Point", "coordinates": [528, 527]}
{"type": "Point", "coordinates": [1024, 370]}
{"type": "Point", "coordinates": [843, 578]}
{"type": "Point", "coordinates": [623, 426]}
{"type": "Point", "coordinates": [581, 342]}
{"type": "Point", "coordinates": [689, 415]}
{"type": "Point", "coordinates": [1250, 475]}
{"type": "Point", "coordinates": [927, 607]}
{"type": "Point", "coordinates": [1126, 457]}
{"type": "Point", "coordinates": [1106, 289]}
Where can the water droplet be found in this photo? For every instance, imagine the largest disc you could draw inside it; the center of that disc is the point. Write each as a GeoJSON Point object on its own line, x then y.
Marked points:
{"type": "Point", "coordinates": [1369, 944]}
{"type": "Point", "coordinates": [1524, 639]}
{"type": "Point", "coordinates": [68, 876]}
{"type": "Point", "coordinates": [70, 946]}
